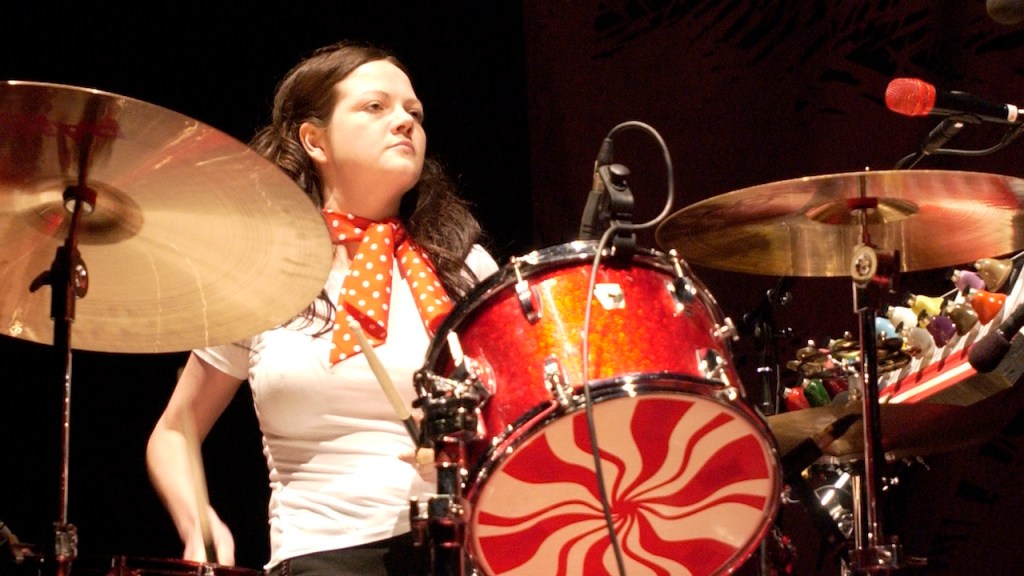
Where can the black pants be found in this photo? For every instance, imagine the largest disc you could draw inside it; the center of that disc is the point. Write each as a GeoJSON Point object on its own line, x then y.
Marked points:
{"type": "Point", "coordinates": [395, 556]}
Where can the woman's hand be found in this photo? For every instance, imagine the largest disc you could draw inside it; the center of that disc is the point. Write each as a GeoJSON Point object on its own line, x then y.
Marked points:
{"type": "Point", "coordinates": [223, 542]}
{"type": "Point", "coordinates": [422, 459]}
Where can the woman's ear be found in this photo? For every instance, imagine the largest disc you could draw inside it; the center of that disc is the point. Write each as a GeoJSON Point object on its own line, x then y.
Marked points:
{"type": "Point", "coordinates": [312, 139]}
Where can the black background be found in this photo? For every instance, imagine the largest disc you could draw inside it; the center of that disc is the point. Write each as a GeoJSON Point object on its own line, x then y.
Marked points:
{"type": "Point", "coordinates": [219, 63]}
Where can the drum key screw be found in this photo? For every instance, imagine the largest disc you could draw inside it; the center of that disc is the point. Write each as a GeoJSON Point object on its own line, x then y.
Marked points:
{"type": "Point", "coordinates": [681, 287]}
{"type": "Point", "coordinates": [554, 378]}
{"type": "Point", "coordinates": [726, 331]}
{"type": "Point", "coordinates": [524, 294]}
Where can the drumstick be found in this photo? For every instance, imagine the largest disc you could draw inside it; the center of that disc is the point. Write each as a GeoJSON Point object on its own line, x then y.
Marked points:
{"type": "Point", "coordinates": [455, 347]}
{"type": "Point", "coordinates": [199, 483]}
{"type": "Point", "coordinates": [385, 382]}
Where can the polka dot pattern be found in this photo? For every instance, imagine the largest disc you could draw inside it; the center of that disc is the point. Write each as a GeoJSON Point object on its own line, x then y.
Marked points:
{"type": "Point", "coordinates": [366, 290]}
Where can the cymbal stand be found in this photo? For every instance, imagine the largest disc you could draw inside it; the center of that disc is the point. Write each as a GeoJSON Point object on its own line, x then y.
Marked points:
{"type": "Point", "coordinates": [761, 321]}
{"type": "Point", "coordinates": [68, 279]}
{"type": "Point", "coordinates": [874, 273]}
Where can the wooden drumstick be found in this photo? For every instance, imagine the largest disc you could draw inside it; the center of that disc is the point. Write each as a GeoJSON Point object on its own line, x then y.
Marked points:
{"type": "Point", "coordinates": [199, 484]}
{"type": "Point", "coordinates": [385, 382]}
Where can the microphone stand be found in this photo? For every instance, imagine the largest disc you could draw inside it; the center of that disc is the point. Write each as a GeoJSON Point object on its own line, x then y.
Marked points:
{"type": "Point", "coordinates": [766, 332]}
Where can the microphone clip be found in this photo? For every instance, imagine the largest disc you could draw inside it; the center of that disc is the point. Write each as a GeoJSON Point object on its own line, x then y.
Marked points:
{"type": "Point", "coordinates": [610, 204]}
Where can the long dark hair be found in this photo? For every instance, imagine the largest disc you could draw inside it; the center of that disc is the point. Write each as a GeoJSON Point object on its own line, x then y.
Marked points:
{"type": "Point", "coordinates": [434, 215]}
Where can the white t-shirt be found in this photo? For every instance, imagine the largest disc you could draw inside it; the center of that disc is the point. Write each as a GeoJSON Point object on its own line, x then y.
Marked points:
{"type": "Point", "coordinates": [330, 436]}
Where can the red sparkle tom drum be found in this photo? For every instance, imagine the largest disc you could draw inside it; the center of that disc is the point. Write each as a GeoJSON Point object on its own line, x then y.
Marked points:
{"type": "Point", "coordinates": [690, 471]}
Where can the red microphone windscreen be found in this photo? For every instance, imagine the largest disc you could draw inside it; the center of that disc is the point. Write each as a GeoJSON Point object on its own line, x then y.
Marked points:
{"type": "Point", "coordinates": [910, 97]}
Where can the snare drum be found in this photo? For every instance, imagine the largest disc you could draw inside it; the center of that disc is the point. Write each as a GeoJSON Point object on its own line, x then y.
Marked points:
{"type": "Point", "coordinates": [690, 470]}
{"type": "Point", "coordinates": [140, 566]}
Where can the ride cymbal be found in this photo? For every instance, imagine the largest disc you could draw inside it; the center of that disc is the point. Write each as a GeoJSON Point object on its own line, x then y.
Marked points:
{"type": "Point", "coordinates": [194, 239]}
{"type": "Point", "coordinates": [811, 226]}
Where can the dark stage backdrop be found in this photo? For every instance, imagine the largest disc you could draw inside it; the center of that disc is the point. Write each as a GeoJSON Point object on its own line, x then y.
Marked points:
{"type": "Point", "coordinates": [750, 93]}
{"type": "Point", "coordinates": [219, 63]}
{"type": "Point", "coordinates": [519, 97]}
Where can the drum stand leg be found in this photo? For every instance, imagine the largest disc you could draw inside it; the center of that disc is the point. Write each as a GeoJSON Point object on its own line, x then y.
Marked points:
{"type": "Point", "coordinates": [443, 527]}
{"type": "Point", "coordinates": [450, 407]}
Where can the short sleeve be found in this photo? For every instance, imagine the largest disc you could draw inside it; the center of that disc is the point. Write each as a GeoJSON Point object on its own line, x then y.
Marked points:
{"type": "Point", "coordinates": [231, 359]}
{"type": "Point", "coordinates": [481, 262]}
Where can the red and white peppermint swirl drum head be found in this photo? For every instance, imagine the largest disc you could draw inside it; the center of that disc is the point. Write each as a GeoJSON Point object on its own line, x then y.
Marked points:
{"type": "Point", "coordinates": [691, 482]}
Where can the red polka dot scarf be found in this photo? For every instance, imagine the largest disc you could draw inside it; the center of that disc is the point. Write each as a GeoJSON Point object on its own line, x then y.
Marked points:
{"type": "Point", "coordinates": [366, 290]}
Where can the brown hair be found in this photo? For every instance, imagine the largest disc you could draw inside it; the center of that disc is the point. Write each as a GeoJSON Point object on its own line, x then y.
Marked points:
{"type": "Point", "coordinates": [434, 215]}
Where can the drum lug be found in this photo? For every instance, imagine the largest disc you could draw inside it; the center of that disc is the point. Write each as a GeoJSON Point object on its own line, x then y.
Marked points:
{"type": "Point", "coordinates": [554, 378]}
{"type": "Point", "coordinates": [524, 294]}
{"type": "Point", "coordinates": [683, 292]}
{"type": "Point", "coordinates": [681, 287]}
{"type": "Point", "coordinates": [713, 365]}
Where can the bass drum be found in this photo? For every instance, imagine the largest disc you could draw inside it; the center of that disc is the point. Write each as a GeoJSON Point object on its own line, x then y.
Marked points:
{"type": "Point", "coordinates": [690, 471]}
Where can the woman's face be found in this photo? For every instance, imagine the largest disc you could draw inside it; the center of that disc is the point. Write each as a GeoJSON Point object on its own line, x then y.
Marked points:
{"type": "Point", "coordinates": [371, 151]}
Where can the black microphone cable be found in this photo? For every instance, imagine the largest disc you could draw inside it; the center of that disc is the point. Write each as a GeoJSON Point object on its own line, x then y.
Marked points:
{"type": "Point", "coordinates": [614, 228]}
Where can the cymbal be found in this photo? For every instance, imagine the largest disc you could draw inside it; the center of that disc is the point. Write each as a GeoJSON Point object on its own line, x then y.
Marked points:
{"type": "Point", "coordinates": [194, 240]}
{"type": "Point", "coordinates": [805, 226]}
{"type": "Point", "coordinates": [907, 429]}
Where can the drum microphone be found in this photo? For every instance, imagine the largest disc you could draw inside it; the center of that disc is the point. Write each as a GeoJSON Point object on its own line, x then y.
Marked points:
{"type": "Point", "coordinates": [915, 97]}
{"type": "Point", "coordinates": [590, 225]}
{"type": "Point", "coordinates": [990, 350]}
{"type": "Point", "coordinates": [1007, 12]}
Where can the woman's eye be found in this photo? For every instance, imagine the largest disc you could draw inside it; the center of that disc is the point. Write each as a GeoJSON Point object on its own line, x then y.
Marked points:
{"type": "Point", "coordinates": [417, 114]}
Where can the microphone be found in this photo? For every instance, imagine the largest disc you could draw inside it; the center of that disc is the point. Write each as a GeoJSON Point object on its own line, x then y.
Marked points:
{"type": "Point", "coordinates": [591, 222]}
{"type": "Point", "coordinates": [1007, 12]}
{"type": "Point", "coordinates": [914, 97]}
{"type": "Point", "coordinates": [990, 350]}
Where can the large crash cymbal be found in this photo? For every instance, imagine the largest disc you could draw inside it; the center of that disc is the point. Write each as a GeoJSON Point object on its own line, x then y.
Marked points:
{"type": "Point", "coordinates": [194, 240]}
{"type": "Point", "coordinates": [805, 226]}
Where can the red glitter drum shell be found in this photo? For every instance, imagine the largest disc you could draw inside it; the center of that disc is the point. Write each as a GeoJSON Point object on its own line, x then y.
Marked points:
{"type": "Point", "coordinates": [650, 329]}
{"type": "Point", "coordinates": [691, 482]}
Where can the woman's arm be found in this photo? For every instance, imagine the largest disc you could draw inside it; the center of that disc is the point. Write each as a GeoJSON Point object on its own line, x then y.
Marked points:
{"type": "Point", "coordinates": [200, 397]}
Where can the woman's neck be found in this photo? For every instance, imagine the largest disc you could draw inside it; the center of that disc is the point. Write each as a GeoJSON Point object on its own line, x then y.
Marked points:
{"type": "Point", "coordinates": [374, 207]}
